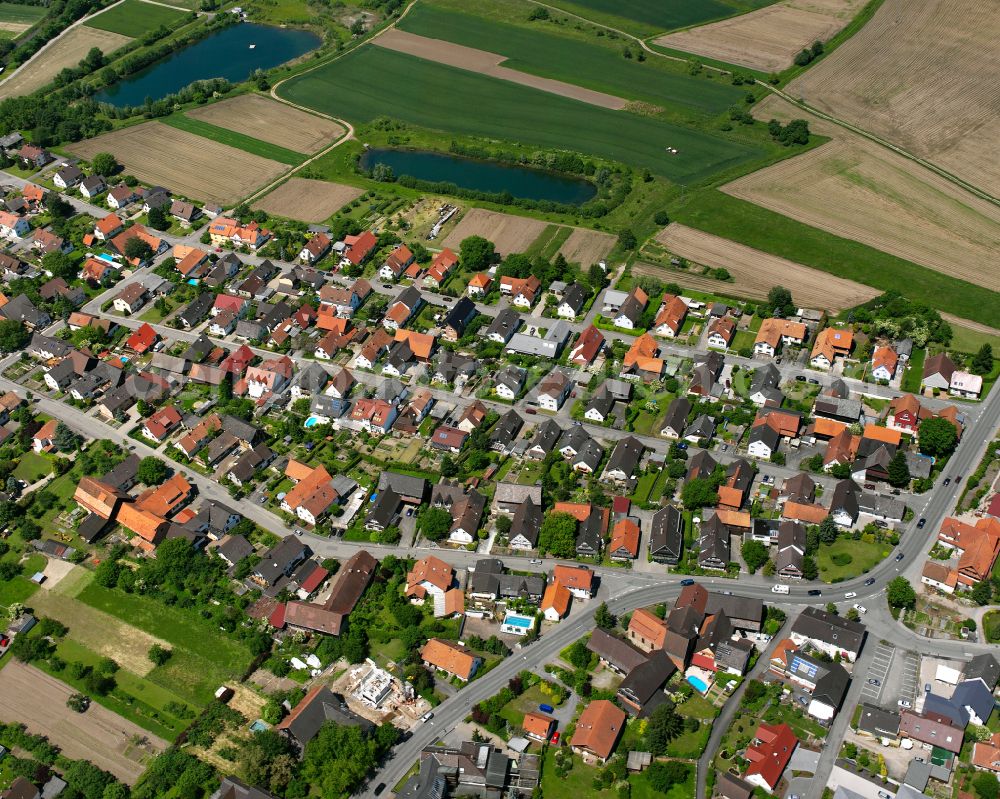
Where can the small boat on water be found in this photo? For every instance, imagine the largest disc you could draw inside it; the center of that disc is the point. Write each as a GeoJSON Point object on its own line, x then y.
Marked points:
{"type": "Point", "coordinates": [252, 46]}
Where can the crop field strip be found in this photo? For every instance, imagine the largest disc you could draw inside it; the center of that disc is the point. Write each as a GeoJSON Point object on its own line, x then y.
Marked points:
{"type": "Point", "coordinates": [767, 39]}
{"type": "Point", "coordinates": [857, 190]}
{"type": "Point", "coordinates": [135, 17]}
{"type": "Point", "coordinates": [484, 63]}
{"type": "Point", "coordinates": [569, 55]}
{"type": "Point", "coordinates": [16, 19]}
{"type": "Point", "coordinates": [66, 51]}
{"type": "Point", "coordinates": [443, 98]}
{"type": "Point", "coordinates": [508, 233]}
{"type": "Point", "coordinates": [307, 200]}
{"type": "Point", "coordinates": [744, 222]}
{"type": "Point", "coordinates": [270, 121]}
{"type": "Point", "coordinates": [921, 76]}
{"type": "Point", "coordinates": [648, 17]}
{"type": "Point", "coordinates": [755, 272]}
{"type": "Point", "coordinates": [233, 138]}
{"type": "Point", "coordinates": [190, 165]}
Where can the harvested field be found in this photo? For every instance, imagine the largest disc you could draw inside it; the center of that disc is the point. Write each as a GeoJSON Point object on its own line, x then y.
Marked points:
{"type": "Point", "coordinates": [37, 700]}
{"type": "Point", "coordinates": [66, 51]}
{"type": "Point", "coordinates": [767, 39]}
{"type": "Point", "coordinates": [15, 28]}
{"type": "Point", "coordinates": [485, 63]}
{"type": "Point", "coordinates": [268, 120]}
{"type": "Point", "coordinates": [858, 190]}
{"type": "Point", "coordinates": [508, 233]}
{"type": "Point", "coordinates": [186, 164]}
{"type": "Point", "coordinates": [307, 200]}
{"type": "Point", "coordinates": [100, 632]}
{"type": "Point", "coordinates": [919, 75]}
{"type": "Point", "coordinates": [755, 272]}
{"type": "Point", "coordinates": [586, 247]}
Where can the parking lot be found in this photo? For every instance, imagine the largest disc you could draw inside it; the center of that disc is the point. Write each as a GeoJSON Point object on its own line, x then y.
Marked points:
{"type": "Point", "coordinates": [909, 671]}
{"type": "Point", "coordinates": [884, 655]}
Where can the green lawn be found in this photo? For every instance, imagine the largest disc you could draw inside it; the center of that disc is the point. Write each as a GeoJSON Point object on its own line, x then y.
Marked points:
{"type": "Point", "coordinates": [398, 85]}
{"type": "Point", "coordinates": [21, 15]}
{"type": "Point", "coordinates": [643, 487]}
{"type": "Point", "coordinates": [564, 54]}
{"type": "Point", "coordinates": [690, 745]}
{"type": "Point", "coordinates": [234, 139]}
{"type": "Point", "coordinates": [32, 467]}
{"type": "Point", "coordinates": [863, 554]}
{"type": "Point", "coordinates": [742, 339]}
{"type": "Point", "coordinates": [646, 17]}
{"type": "Point", "coordinates": [514, 710]}
{"type": "Point", "coordinates": [578, 783]}
{"type": "Point", "coordinates": [914, 371]}
{"type": "Point", "coordinates": [134, 18]}
{"type": "Point", "coordinates": [697, 707]}
{"type": "Point", "coordinates": [18, 589]}
{"type": "Point", "coordinates": [718, 213]}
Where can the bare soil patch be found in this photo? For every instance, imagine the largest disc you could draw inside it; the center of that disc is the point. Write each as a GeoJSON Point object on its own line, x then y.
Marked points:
{"type": "Point", "coordinates": [104, 738]}
{"type": "Point", "coordinates": [767, 39]}
{"type": "Point", "coordinates": [14, 27]}
{"type": "Point", "coordinates": [508, 233]}
{"type": "Point", "coordinates": [185, 163]}
{"type": "Point", "coordinates": [920, 75]}
{"type": "Point", "coordinates": [755, 272]}
{"type": "Point", "coordinates": [485, 63]}
{"type": "Point", "coordinates": [307, 200]}
{"type": "Point", "coordinates": [100, 632]}
{"type": "Point", "coordinates": [858, 190]}
{"type": "Point", "coordinates": [66, 51]}
{"type": "Point", "coordinates": [56, 571]}
{"type": "Point", "coordinates": [268, 120]}
{"type": "Point", "coordinates": [586, 247]}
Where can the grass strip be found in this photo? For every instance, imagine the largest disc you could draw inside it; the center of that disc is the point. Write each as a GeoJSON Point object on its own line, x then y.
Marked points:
{"type": "Point", "coordinates": [234, 139]}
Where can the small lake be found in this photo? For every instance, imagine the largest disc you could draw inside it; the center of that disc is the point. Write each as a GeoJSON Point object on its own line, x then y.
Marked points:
{"type": "Point", "coordinates": [223, 54]}
{"type": "Point", "coordinates": [489, 176]}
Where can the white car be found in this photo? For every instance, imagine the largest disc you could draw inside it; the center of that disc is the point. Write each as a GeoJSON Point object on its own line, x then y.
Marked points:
{"type": "Point", "coordinates": [850, 595]}
{"type": "Point", "coordinates": [427, 716]}
{"type": "Point", "coordinates": [861, 609]}
{"type": "Point", "coordinates": [905, 703]}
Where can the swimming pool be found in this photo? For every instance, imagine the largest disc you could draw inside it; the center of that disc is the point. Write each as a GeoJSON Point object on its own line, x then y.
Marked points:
{"type": "Point", "coordinates": [699, 684]}
{"type": "Point", "coordinates": [312, 421]}
{"type": "Point", "coordinates": [516, 624]}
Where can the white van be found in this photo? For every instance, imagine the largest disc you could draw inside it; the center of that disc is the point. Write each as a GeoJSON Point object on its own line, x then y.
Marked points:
{"type": "Point", "coordinates": [780, 588]}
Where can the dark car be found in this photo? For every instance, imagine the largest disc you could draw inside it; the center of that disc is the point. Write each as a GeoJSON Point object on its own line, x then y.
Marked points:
{"type": "Point", "coordinates": [921, 523]}
{"type": "Point", "coordinates": [899, 556]}
{"type": "Point", "coordinates": [800, 378]}
{"type": "Point", "coordinates": [947, 481]}
{"type": "Point", "coordinates": [379, 788]}
{"type": "Point", "coordinates": [687, 582]}
{"type": "Point", "coordinates": [814, 381]}
{"type": "Point", "coordinates": [870, 581]}
{"type": "Point", "coordinates": [873, 681]}
{"type": "Point", "coordinates": [815, 592]}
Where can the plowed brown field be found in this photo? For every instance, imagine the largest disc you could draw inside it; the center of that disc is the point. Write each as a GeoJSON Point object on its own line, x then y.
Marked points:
{"type": "Point", "coordinates": [586, 247]}
{"type": "Point", "coordinates": [922, 75]}
{"type": "Point", "coordinates": [755, 272]}
{"type": "Point", "coordinates": [307, 200]}
{"type": "Point", "coordinates": [508, 233]}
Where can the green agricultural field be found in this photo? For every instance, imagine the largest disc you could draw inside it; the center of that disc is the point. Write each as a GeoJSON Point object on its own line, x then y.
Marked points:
{"type": "Point", "coordinates": [718, 213]}
{"type": "Point", "coordinates": [372, 82]}
{"type": "Point", "coordinates": [21, 15]}
{"type": "Point", "coordinates": [574, 57]}
{"type": "Point", "coordinates": [647, 17]}
{"type": "Point", "coordinates": [134, 18]}
{"type": "Point", "coordinates": [234, 139]}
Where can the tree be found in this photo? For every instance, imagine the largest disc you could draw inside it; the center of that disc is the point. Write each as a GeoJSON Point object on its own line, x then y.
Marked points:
{"type": "Point", "coordinates": [986, 785]}
{"type": "Point", "coordinates": [138, 250]}
{"type": "Point", "coordinates": [65, 439]}
{"type": "Point", "coordinates": [604, 618]}
{"type": "Point", "coordinates": [662, 726]}
{"type": "Point", "coordinates": [448, 466]}
{"type": "Point", "coordinates": [57, 207]}
{"type": "Point", "coordinates": [900, 593]}
{"type": "Point", "coordinates": [828, 530]}
{"type": "Point", "coordinates": [558, 535]}
{"type": "Point", "coordinates": [661, 218]}
{"type": "Point", "coordinates": [78, 702]}
{"type": "Point", "coordinates": [982, 592]}
{"type": "Point", "coordinates": [899, 470]}
{"type": "Point", "coordinates": [59, 264]}
{"type": "Point", "coordinates": [158, 218]}
{"type": "Point", "coordinates": [476, 253]}
{"type": "Point", "coordinates": [937, 437]}
{"type": "Point", "coordinates": [754, 554]}
{"type": "Point", "coordinates": [434, 523]}
{"type": "Point", "coordinates": [699, 493]}
{"type": "Point", "coordinates": [810, 571]}
{"type": "Point", "coordinates": [152, 471]}
{"type": "Point", "coordinates": [503, 525]}
{"type": "Point", "coordinates": [779, 299]}
{"type": "Point", "coordinates": [158, 655]}
{"type": "Point", "coordinates": [982, 361]}
{"type": "Point", "coordinates": [14, 336]}
{"type": "Point", "coordinates": [853, 615]}
{"type": "Point", "coordinates": [104, 164]}
{"type": "Point", "coordinates": [578, 655]}
{"type": "Point", "coordinates": [627, 240]}
{"type": "Point", "coordinates": [664, 776]}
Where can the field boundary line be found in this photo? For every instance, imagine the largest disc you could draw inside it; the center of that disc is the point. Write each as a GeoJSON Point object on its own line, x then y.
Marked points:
{"type": "Point", "coordinates": [53, 40]}
{"type": "Point", "coordinates": [176, 8]}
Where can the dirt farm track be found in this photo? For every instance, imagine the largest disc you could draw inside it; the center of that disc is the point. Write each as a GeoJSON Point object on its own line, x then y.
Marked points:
{"type": "Point", "coordinates": [107, 740]}
{"type": "Point", "coordinates": [185, 163]}
{"type": "Point", "coordinates": [754, 272]}
{"type": "Point", "coordinates": [922, 75]}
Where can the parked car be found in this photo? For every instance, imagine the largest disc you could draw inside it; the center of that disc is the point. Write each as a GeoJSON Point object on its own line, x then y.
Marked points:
{"type": "Point", "coordinates": [905, 703]}
{"type": "Point", "coordinates": [379, 788]}
{"type": "Point", "coordinates": [873, 681]}
{"type": "Point", "coordinates": [536, 562]}
{"type": "Point", "coordinates": [814, 381]}
{"type": "Point", "coordinates": [687, 581]}
{"type": "Point", "coordinates": [682, 445]}
{"type": "Point", "coordinates": [870, 486]}
{"type": "Point", "coordinates": [800, 378]}
{"type": "Point", "coordinates": [555, 737]}
{"type": "Point", "coordinates": [532, 411]}
{"type": "Point", "coordinates": [895, 492]}
{"type": "Point", "coordinates": [427, 716]}
{"type": "Point", "coordinates": [861, 609]}
{"type": "Point", "coordinates": [545, 708]}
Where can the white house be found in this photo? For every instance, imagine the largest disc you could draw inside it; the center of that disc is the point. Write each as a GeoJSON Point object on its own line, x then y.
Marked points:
{"type": "Point", "coordinates": [964, 384]}
{"type": "Point", "coordinates": [12, 225]}
{"type": "Point", "coordinates": [553, 390]}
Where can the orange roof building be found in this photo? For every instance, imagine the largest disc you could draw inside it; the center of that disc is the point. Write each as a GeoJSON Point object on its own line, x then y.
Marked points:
{"type": "Point", "coordinates": [421, 344]}
{"type": "Point", "coordinates": [827, 428]}
{"type": "Point", "coordinates": [986, 754]}
{"type": "Point", "coordinates": [556, 601]}
{"type": "Point", "coordinates": [578, 510]}
{"type": "Point", "coordinates": [624, 540]}
{"type": "Point", "coordinates": [429, 574]}
{"type": "Point", "coordinates": [734, 518]}
{"type": "Point", "coordinates": [774, 332]}
{"type": "Point", "coordinates": [98, 497]}
{"type": "Point", "coordinates": [806, 512]}
{"type": "Point", "coordinates": [875, 433]}
{"type": "Point", "coordinates": [538, 725]}
{"type": "Point", "coordinates": [450, 657]}
{"type": "Point", "coordinates": [884, 363]}
{"type": "Point", "coordinates": [597, 730]}
{"type": "Point", "coordinates": [163, 500]}
{"type": "Point", "coordinates": [148, 526]}
{"type": "Point", "coordinates": [670, 316]}
{"type": "Point", "coordinates": [830, 343]}
{"type": "Point", "coordinates": [578, 579]}
{"type": "Point", "coordinates": [647, 630]}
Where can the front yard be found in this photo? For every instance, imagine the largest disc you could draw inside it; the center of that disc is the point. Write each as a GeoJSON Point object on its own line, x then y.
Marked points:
{"type": "Point", "coordinates": [846, 558]}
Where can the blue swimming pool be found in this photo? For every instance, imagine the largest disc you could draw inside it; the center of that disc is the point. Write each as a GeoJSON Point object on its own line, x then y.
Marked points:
{"type": "Point", "coordinates": [312, 421]}
{"type": "Point", "coordinates": [700, 685]}
{"type": "Point", "coordinates": [512, 620]}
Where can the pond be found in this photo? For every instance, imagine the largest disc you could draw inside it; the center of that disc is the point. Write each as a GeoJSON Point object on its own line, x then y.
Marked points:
{"type": "Point", "coordinates": [231, 53]}
{"type": "Point", "coordinates": [488, 176]}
